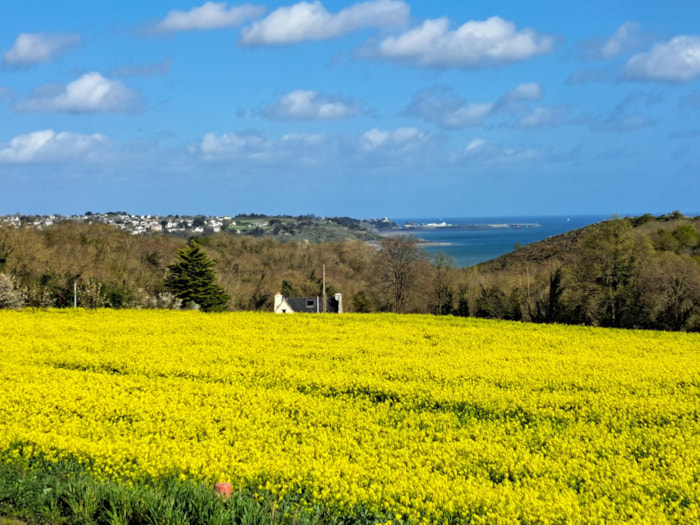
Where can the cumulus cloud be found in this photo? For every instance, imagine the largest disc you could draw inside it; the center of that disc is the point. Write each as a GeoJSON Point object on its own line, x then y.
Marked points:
{"type": "Point", "coordinates": [545, 117]}
{"type": "Point", "coordinates": [526, 91]}
{"type": "Point", "coordinates": [677, 60]}
{"type": "Point", "coordinates": [517, 99]}
{"type": "Point", "coordinates": [311, 105]}
{"type": "Point", "coordinates": [475, 44]}
{"type": "Point", "coordinates": [255, 150]}
{"type": "Point", "coordinates": [211, 15]}
{"type": "Point", "coordinates": [443, 107]}
{"type": "Point", "coordinates": [91, 93]}
{"type": "Point", "coordinates": [49, 146]}
{"type": "Point", "coordinates": [311, 139]}
{"type": "Point", "coordinates": [306, 21]}
{"type": "Point", "coordinates": [482, 151]}
{"type": "Point", "coordinates": [34, 48]}
{"type": "Point", "coordinates": [446, 109]}
{"type": "Point", "coordinates": [234, 145]}
{"type": "Point", "coordinates": [400, 139]}
{"type": "Point", "coordinates": [377, 146]}
{"type": "Point", "coordinates": [626, 38]}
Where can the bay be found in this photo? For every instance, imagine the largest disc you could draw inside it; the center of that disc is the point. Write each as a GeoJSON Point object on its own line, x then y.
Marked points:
{"type": "Point", "coordinates": [471, 240]}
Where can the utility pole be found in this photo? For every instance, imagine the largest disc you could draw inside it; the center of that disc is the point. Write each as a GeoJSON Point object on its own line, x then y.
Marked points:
{"type": "Point", "coordinates": [324, 299]}
{"type": "Point", "coordinates": [75, 294]}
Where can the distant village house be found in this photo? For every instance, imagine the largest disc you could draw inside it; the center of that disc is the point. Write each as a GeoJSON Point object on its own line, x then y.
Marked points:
{"type": "Point", "coordinates": [310, 305]}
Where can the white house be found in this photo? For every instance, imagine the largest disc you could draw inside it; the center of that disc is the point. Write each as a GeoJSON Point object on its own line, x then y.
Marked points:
{"type": "Point", "coordinates": [311, 305]}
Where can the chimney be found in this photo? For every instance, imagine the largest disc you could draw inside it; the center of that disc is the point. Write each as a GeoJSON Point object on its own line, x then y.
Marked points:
{"type": "Point", "coordinates": [279, 298]}
{"type": "Point", "coordinates": [339, 298]}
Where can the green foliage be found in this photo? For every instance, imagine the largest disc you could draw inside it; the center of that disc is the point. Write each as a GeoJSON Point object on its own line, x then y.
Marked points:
{"type": "Point", "coordinates": [36, 490]}
{"type": "Point", "coordinates": [462, 309]}
{"type": "Point", "coordinates": [634, 273]}
{"type": "Point", "coordinates": [687, 237]}
{"type": "Point", "coordinates": [491, 303]}
{"type": "Point", "coordinates": [361, 303]}
{"type": "Point", "coordinates": [192, 279]}
{"type": "Point", "coordinates": [43, 491]}
{"type": "Point", "coordinates": [552, 310]}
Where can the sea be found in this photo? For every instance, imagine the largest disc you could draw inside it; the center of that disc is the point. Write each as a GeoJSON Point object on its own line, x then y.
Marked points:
{"type": "Point", "coordinates": [471, 240]}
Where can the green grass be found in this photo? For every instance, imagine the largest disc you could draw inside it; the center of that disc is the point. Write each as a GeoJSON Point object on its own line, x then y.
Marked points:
{"type": "Point", "coordinates": [41, 492]}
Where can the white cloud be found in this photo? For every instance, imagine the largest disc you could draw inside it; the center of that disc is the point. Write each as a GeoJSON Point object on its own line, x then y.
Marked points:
{"type": "Point", "coordinates": [545, 117]}
{"type": "Point", "coordinates": [91, 93]}
{"type": "Point", "coordinates": [398, 139]}
{"type": "Point", "coordinates": [211, 15]}
{"type": "Point", "coordinates": [526, 91]}
{"type": "Point", "coordinates": [49, 146]}
{"type": "Point", "coordinates": [626, 38]}
{"type": "Point", "coordinates": [677, 60]}
{"type": "Point", "coordinates": [35, 48]}
{"type": "Point", "coordinates": [516, 99]}
{"type": "Point", "coordinates": [312, 139]}
{"type": "Point", "coordinates": [311, 105]}
{"type": "Point", "coordinates": [475, 44]}
{"type": "Point", "coordinates": [379, 147]}
{"type": "Point", "coordinates": [447, 110]}
{"type": "Point", "coordinates": [306, 21]}
{"type": "Point", "coordinates": [252, 149]}
{"type": "Point", "coordinates": [234, 145]}
{"type": "Point", "coordinates": [481, 151]}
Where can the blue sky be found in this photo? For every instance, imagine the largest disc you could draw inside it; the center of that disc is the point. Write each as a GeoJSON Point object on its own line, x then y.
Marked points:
{"type": "Point", "coordinates": [376, 108]}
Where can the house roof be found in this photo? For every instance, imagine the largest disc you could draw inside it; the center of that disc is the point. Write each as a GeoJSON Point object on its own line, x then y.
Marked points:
{"type": "Point", "coordinates": [312, 304]}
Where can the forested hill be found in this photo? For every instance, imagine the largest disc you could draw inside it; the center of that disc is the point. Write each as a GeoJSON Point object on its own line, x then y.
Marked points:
{"type": "Point", "coordinates": [641, 272]}
{"type": "Point", "coordinates": [673, 232]}
{"type": "Point", "coordinates": [635, 272]}
{"type": "Point", "coordinates": [308, 228]}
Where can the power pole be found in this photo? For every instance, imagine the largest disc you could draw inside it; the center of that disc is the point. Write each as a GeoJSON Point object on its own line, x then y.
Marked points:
{"type": "Point", "coordinates": [324, 299]}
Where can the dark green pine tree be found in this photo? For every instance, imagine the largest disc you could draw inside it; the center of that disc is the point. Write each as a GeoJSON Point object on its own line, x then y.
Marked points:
{"type": "Point", "coordinates": [192, 279]}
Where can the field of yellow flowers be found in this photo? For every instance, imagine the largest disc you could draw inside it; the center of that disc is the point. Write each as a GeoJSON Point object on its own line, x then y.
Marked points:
{"type": "Point", "coordinates": [410, 418]}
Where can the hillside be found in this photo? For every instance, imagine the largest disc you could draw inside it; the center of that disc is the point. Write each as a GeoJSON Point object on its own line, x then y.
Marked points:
{"type": "Point", "coordinates": [636, 272]}
{"type": "Point", "coordinates": [641, 272]}
{"type": "Point", "coordinates": [563, 247]}
{"type": "Point", "coordinates": [307, 228]}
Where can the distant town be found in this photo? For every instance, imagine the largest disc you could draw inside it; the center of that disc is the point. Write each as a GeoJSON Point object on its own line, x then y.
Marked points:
{"type": "Point", "coordinates": [303, 226]}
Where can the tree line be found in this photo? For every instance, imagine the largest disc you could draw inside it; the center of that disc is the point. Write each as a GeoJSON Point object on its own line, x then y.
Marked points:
{"type": "Point", "coordinates": [639, 272]}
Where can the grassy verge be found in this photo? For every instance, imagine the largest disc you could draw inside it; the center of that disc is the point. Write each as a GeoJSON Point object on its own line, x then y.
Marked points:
{"type": "Point", "coordinates": [44, 492]}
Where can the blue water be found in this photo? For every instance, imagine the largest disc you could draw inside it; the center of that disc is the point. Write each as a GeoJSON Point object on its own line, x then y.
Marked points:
{"type": "Point", "coordinates": [470, 247]}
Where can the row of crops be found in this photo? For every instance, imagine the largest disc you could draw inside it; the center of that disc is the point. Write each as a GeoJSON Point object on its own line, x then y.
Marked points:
{"type": "Point", "coordinates": [403, 418]}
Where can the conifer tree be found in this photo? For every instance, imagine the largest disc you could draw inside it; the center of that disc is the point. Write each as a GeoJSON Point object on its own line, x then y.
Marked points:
{"type": "Point", "coordinates": [192, 280]}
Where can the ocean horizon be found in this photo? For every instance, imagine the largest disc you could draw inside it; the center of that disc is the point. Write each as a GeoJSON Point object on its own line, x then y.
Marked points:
{"type": "Point", "coordinates": [472, 240]}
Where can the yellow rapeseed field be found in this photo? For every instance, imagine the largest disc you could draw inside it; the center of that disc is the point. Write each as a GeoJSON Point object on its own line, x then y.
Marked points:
{"type": "Point", "coordinates": [414, 418]}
